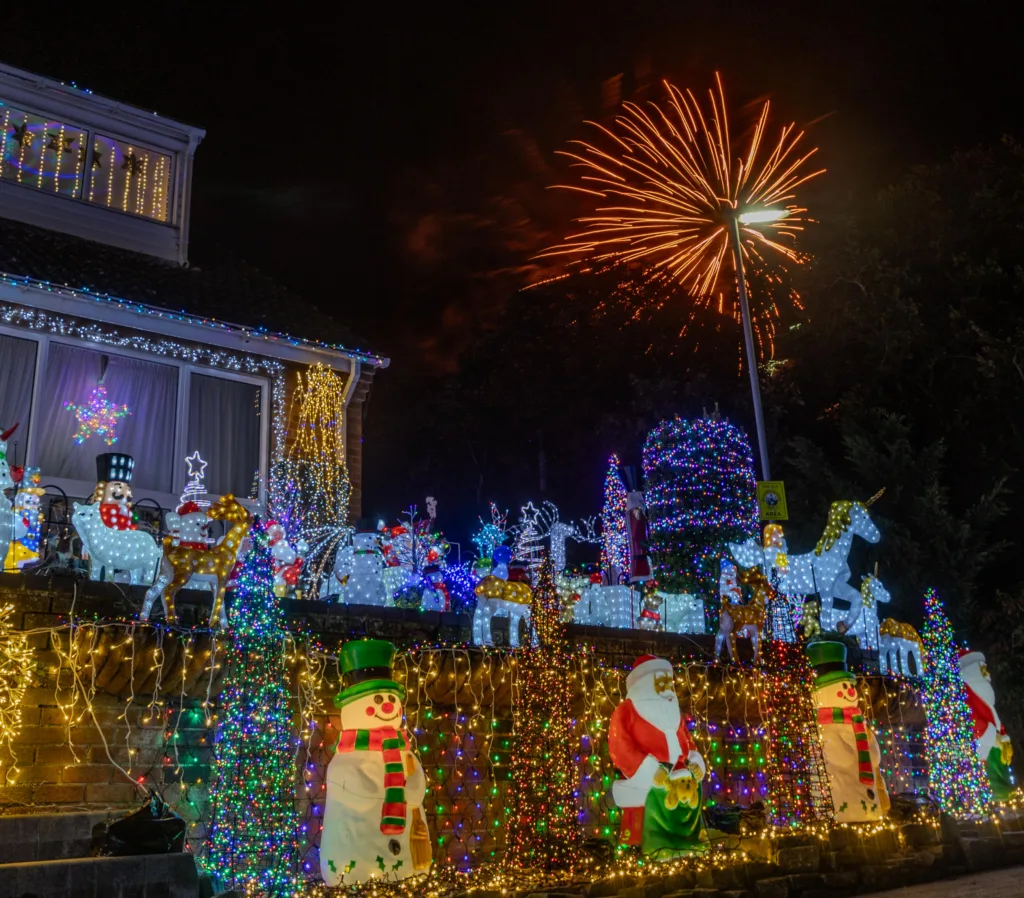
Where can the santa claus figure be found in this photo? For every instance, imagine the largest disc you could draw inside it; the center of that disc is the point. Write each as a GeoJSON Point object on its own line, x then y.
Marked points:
{"type": "Point", "coordinates": [994, 747]}
{"type": "Point", "coordinates": [660, 795]}
{"type": "Point", "coordinates": [374, 826]}
{"type": "Point", "coordinates": [286, 560]}
{"type": "Point", "coordinates": [636, 517]}
{"type": "Point", "coordinates": [113, 490]}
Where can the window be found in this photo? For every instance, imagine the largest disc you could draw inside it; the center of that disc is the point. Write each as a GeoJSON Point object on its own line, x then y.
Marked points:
{"type": "Point", "coordinates": [224, 426]}
{"type": "Point", "coordinates": [147, 432]}
{"type": "Point", "coordinates": [130, 178]}
{"type": "Point", "coordinates": [17, 373]}
{"type": "Point", "coordinates": [42, 153]}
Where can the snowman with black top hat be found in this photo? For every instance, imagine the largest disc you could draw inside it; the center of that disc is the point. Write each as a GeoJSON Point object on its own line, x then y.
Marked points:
{"type": "Point", "coordinates": [374, 826]}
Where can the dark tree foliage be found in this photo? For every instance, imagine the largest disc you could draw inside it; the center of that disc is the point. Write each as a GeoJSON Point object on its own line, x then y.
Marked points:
{"type": "Point", "coordinates": [909, 374]}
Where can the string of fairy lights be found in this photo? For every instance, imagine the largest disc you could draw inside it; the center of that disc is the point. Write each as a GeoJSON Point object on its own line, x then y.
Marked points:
{"type": "Point", "coordinates": [149, 698]}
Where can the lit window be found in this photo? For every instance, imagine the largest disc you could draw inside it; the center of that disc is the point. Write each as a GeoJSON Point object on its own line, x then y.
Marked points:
{"type": "Point", "coordinates": [129, 178]}
{"type": "Point", "coordinates": [17, 372]}
{"type": "Point", "coordinates": [41, 152]}
{"type": "Point", "coordinates": [224, 425]}
{"type": "Point", "coordinates": [146, 432]}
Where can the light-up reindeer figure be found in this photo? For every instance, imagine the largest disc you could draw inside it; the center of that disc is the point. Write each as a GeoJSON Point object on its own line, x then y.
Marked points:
{"type": "Point", "coordinates": [181, 562]}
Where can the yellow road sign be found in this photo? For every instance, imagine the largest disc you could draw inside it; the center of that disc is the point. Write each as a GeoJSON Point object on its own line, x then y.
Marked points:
{"type": "Point", "coordinates": [771, 500]}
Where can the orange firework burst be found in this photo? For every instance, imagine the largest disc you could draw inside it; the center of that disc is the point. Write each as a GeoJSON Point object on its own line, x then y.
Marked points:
{"type": "Point", "coordinates": [672, 185]}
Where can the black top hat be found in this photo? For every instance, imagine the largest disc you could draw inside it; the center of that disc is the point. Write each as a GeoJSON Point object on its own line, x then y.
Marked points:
{"type": "Point", "coordinates": [114, 466]}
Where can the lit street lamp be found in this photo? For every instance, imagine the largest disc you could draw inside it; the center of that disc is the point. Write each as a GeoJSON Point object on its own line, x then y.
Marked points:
{"type": "Point", "coordinates": [758, 216]}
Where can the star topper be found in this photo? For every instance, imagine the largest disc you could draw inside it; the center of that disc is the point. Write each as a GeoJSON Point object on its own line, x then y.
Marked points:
{"type": "Point", "coordinates": [97, 416]}
{"type": "Point", "coordinates": [196, 465]}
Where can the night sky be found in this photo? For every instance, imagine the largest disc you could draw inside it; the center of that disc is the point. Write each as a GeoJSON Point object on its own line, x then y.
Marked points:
{"type": "Point", "coordinates": [390, 165]}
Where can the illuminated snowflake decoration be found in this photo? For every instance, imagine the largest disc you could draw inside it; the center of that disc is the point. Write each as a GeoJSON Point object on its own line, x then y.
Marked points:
{"type": "Point", "coordinates": [98, 416]}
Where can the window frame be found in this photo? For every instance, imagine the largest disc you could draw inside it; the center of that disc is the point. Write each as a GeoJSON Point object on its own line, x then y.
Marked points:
{"type": "Point", "coordinates": [91, 133]}
{"type": "Point", "coordinates": [185, 370]}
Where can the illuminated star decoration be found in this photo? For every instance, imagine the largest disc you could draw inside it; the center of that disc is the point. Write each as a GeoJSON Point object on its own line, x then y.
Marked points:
{"type": "Point", "coordinates": [59, 142]}
{"type": "Point", "coordinates": [22, 136]}
{"type": "Point", "coordinates": [98, 416]}
{"type": "Point", "coordinates": [196, 465]}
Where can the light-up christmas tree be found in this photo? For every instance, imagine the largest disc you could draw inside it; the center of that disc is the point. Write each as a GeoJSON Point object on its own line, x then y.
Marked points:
{"type": "Point", "coordinates": [253, 827]}
{"type": "Point", "coordinates": [310, 489]}
{"type": "Point", "coordinates": [956, 777]}
{"type": "Point", "coordinates": [195, 491]}
{"type": "Point", "coordinates": [543, 827]}
{"type": "Point", "coordinates": [701, 495]}
{"type": "Point", "coordinates": [614, 527]}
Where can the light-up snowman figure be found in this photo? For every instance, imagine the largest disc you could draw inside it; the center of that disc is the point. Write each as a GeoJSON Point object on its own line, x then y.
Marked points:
{"type": "Point", "coordinates": [851, 751]}
{"type": "Point", "coordinates": [374, 826]}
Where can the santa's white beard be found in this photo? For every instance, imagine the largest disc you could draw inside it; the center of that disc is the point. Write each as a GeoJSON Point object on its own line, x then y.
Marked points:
{"type": "Point", "coordinates": [661, 713]}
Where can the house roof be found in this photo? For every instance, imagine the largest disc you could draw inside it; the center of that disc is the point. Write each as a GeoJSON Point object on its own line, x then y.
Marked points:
{"type": "Point", "coordinates": [227, 293]}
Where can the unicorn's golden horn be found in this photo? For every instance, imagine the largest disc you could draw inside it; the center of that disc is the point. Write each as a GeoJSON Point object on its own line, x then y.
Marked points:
{"type": "Point", "coordinates": [874, 498]}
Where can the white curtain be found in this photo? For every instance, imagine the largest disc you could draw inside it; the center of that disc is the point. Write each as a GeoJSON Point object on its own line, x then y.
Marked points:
{"type": "Point", "coordinates": [224, 425]}
{"type": "Point", "coordinates": [17, 372]}
{"type": "Point", "coordinates": [149, 389]}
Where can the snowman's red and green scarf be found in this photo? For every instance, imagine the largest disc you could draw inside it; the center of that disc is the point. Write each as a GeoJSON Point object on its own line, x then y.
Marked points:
{"type": "Point", "coordinates": [853, 717]}
{"type": "Point", "coordinates": [390, 743]}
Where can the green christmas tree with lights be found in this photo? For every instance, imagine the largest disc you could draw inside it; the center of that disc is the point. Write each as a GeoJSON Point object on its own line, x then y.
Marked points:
{"type": "Point", "coordinates": [543, 829]}
{"type": "Point", "coordinates": [956, 776]}
{"type": "Point", "coordinates": [252, 836]}
{"type": "Point", "coordinates": [701, 495]}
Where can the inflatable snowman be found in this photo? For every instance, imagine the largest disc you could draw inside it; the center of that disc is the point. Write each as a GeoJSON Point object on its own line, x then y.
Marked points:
{"type": "Point", "coordinates": [374, 826]}
{"type": "Point", "coordinates": [850, 748]}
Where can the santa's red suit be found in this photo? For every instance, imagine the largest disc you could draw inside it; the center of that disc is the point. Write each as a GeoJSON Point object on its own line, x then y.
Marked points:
{"type": "Point", "coordinates": [639, 563]}
{"type": "Point", "coordinates": [115, 516]}
{"type": "Point", "coordinates": [984, 716]}
{"type": "Point", "coordinates": [631, 739]}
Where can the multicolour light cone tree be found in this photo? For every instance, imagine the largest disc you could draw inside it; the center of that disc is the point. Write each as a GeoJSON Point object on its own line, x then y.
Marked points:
{"type": "Point", "coordinates": [956, 776]}
{"type": "Point", "coordinates": [253, 845]}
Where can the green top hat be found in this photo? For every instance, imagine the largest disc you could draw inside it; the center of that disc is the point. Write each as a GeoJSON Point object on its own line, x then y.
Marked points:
{"type": "Point", "coordinates": [829, 662]}
{"type": "Point", "coordinates": [366, 666]}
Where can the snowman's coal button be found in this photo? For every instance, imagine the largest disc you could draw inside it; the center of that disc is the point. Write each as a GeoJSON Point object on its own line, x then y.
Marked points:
{"type": "Point", "coordinates": [395, 847]}
{"type": "Point", "coordinates": [871, 794]}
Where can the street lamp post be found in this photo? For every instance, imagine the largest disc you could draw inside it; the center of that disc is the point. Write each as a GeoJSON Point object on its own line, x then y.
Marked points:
{"type": "Point", "coordinates": [754, 217]}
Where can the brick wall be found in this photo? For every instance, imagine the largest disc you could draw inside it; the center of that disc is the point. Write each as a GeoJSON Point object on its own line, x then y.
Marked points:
{"type": "Point", "coordinates": [354, 441]}
{"type": "Point", "coordinates": [101, 745]}
{"type": "Point", "coordinates": [148, 725]}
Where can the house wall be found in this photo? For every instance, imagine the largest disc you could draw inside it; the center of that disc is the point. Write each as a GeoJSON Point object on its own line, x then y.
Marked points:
{"type": "Point", "coordinates": [354, 441]}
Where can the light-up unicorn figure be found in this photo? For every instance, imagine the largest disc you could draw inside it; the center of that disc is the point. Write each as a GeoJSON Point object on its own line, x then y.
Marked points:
{"type": "Point", "coordinates": [826, 570]}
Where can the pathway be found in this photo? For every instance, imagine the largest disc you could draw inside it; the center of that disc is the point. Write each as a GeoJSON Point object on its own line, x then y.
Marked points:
{"type": "Point", "coordinates": [1007, 883]}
